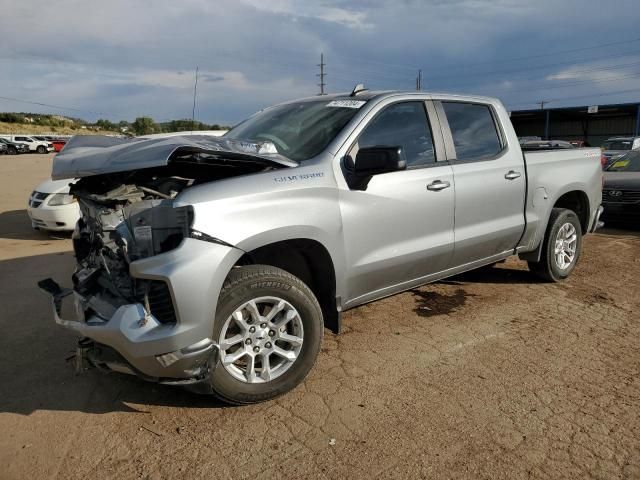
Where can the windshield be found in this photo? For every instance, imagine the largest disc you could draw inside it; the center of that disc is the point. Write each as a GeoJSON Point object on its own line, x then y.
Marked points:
{"type": "Point", "coordinates": [617, 145]}
{"type": "Point", "coordinates": [298, 130]}
{"type": "Point", "coordinates": [629, 162]}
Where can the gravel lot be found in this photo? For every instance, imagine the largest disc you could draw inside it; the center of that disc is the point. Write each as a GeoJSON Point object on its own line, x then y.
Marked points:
{"type": "Point", "coordinates": [488, 375]}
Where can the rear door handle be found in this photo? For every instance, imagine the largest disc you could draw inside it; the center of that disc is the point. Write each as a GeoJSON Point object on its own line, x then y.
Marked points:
{"type": "Point", "coordinates": [438, 185]}
{"type": "Point", "coordinates": [512, 175]}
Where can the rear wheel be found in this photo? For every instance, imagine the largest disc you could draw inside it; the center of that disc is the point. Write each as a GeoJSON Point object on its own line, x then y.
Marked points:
{"type": "Point", "coordinates": [41, 149]}
{"type": "Point", "coordinates": [561, 248]}
{"type": "Point", "coordinates": [11, 150]}
{"type": "Point", "coordinates": [269, 328]}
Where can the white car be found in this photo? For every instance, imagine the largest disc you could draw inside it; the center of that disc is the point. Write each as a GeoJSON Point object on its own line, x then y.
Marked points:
{"type": "Point", "coordinates": [52, 208]}
{"type": "Point", "coordinates": [34, 145]}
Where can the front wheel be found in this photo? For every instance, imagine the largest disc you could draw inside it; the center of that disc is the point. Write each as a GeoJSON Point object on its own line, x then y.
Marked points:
{"type": "Point", "coordinates": [561, 248]}
{"type": "Point", "coordinates": [269, 328]}
{"type": "Point", "coordinates": [41, 149]}
{"type": "Point", "coordinates": [12, 150]}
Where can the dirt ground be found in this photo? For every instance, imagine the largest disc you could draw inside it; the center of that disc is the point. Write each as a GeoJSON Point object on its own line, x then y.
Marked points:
{"type": "Point", "coordinates": [489, 375]}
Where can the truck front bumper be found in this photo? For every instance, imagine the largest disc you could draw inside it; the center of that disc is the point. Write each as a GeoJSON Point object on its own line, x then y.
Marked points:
{"type": "Point", "coordinates": [170, 353]}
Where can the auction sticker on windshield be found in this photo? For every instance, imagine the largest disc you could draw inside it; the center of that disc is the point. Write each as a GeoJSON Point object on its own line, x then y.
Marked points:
{"type": "Point", "coordinates": [346, 103]}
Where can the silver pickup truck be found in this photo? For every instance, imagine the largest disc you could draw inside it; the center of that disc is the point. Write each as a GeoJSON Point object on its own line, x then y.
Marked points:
{"type": "Point", "coordinates": [216, 263]}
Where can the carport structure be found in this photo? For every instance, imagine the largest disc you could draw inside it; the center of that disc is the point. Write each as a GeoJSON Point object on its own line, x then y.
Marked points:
{"type": "Point", "coordinates": [576, 123]}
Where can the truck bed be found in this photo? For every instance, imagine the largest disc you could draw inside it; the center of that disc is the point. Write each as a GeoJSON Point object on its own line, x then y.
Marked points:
{"type": "Point", "coordinates": [552, 173]}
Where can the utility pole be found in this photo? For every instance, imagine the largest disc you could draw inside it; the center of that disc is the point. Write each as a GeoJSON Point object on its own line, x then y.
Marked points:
{"type": "Point", "coordinates": [419, 80]}
{"type": "Point", "coordinates": [542, 104]}
{"type": "Point", "coordinates": [321, 74]}
{"type": "Point", "coordinates": [195, 90]}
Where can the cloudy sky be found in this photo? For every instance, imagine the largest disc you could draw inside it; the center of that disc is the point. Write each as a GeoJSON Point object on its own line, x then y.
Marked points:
{"type": "Point", "coordinates": [120, 59]}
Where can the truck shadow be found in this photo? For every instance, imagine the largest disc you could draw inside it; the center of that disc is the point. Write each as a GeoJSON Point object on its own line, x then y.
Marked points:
{"type": "Point", "coordinates": [34, 373]}
{"type": "Point", "coordinates": [496, 274]}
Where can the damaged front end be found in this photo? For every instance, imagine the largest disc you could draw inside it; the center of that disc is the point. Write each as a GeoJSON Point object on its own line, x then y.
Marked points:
{"type": "Point", "coordinates": [144, 289]}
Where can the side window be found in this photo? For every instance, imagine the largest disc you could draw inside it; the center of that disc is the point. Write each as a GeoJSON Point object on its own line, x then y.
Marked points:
{"type": "Point", "coordinates": [473, 130]}
{"type": "Point", "coordinates": [404, 125]}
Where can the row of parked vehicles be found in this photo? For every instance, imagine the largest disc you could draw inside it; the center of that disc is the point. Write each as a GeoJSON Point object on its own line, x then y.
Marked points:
{"type": "Point", "coordinates": [612, 148]}
{"type": "Point", "coordinates": [17, 144]}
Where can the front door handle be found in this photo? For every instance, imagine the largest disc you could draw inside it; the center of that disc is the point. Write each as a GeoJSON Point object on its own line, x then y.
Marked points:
{"type": "Point", "coordinates": [438, 185]}
{"type": "Point", "coordinates": [512, 175]}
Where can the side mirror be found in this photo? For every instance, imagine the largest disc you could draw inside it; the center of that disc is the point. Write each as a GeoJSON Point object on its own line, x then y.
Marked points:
{"type": "Point", "coordinates": [372, 161]}
{"type": "Point", "coordinates": [376, 160]}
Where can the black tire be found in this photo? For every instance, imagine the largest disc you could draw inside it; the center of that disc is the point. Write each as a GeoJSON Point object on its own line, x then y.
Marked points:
{"type": "Point", "coordinates": [41, 150]}
{"type": "Point", "coordinates": [253, 281]}
{"type": "Point", "coordinates": [11, 150]}
{"type": "Point", "coordinates": [547, 268]}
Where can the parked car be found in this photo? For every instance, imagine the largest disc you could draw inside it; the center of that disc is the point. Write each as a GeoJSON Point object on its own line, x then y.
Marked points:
{"type": "Point", "coordinates": [621, 191]}
{"type": "Point", "coordinates": [58, 143]}
{"type": "Point", "coordinates": [217, 262]}
{"type": "Point", "coordinates": [51, 207]}
{"type": "Point", "coordinates": [34, 145]}
{"type": "Point", "coordinates": [14, 148]}
{"type": "Point", "coordinates": [616, 146]}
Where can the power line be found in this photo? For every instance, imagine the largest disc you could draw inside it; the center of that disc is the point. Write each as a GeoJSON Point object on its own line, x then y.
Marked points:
{"type": "Point", "coordinates": [391, 76]}
{"type": "Point", "coordinates": [58, 107]}
{"type": "Point", "coordinates": [541, 87]}
{"type": "Point", "coordinates": [489, 62]}
{"type": "Point", "coordinates": [596, 95]}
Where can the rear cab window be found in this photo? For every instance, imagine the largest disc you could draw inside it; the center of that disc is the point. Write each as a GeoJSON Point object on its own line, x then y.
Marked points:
{"type": "Point", "coordinates": [474, 130]}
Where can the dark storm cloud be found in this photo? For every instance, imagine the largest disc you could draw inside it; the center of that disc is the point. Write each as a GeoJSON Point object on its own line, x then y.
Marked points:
{"type": "Point", "coordinates": [138, 58]}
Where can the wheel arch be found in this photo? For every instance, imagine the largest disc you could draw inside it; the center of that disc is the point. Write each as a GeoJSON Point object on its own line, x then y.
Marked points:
{"type": "Point", "coordinates": [573, 198]}
{"type": "Point", "coordinates": [578, 202]}
{"type": "Point", "coordinates": [310, 261]}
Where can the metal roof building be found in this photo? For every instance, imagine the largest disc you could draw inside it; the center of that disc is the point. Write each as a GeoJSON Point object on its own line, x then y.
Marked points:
{"type": "Point", "coordinates": [593, 124]}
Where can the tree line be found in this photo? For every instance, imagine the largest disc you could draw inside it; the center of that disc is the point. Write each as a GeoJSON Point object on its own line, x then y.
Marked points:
{"type": "Point", "coordinates": [146, 126]}
{"type": "Point", "coordinates": [140, 126]}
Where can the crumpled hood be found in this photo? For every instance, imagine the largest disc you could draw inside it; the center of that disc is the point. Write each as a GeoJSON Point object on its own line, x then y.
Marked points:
{"type": "Point", "coordinates": [87, 155]}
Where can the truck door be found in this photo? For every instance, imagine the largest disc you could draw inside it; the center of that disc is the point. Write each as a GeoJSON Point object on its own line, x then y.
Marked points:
{"type": "Point", "coordinates": [401, 227]}
{"type": "Point", "coordinates": [490, 182]}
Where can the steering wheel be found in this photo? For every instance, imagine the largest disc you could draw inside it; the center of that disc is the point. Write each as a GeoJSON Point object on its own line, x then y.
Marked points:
{"type": "Point", "coordinates": [274, 139]}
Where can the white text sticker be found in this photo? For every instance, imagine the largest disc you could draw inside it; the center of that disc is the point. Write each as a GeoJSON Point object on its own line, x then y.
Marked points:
{"type": "Point", "coordinates": [346, 103]}
{"type": "Point", "coordinates": [142, 233]}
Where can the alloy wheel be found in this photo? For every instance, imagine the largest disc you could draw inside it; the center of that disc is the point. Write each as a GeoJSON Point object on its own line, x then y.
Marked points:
{"type": "Point", "coordinates": [565, 246]}
{"type": "Point", "coordinates": [261, 340]}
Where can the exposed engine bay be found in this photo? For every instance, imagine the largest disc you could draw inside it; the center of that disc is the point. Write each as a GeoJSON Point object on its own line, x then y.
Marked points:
{"type": "Point", "coordinates": [131, 215]}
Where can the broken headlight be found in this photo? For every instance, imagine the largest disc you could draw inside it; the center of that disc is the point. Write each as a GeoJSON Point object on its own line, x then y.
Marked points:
{"type": "Point", "coordinates": [60, 199]}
